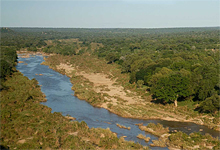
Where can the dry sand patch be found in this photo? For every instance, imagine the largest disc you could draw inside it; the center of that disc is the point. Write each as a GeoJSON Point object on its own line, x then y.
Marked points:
{"type": "Point", "coordinates": [102, 82]}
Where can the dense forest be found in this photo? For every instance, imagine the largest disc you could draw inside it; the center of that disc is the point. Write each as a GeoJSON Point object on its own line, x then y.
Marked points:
{"type": "Point", "coordinates": [180, 64]}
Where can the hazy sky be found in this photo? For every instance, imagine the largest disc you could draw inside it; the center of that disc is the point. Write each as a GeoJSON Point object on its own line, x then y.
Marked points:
{"type": "Point", "coordinates": [110, 13]}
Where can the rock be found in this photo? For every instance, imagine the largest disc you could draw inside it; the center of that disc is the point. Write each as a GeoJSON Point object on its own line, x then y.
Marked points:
{"type": "Point", "coordinates": [85, 139]}
{"type": "Point", "coordinates": [30, 138]}
{"type": "Point", "coordinates": [70, 118]}
{"type": "Point", "coordinates": [73, 133]}
{"type": "Point", "coordinates": [200, 129]}
{"type": "Point", "coordinates": [102, 135]}
{"type": "Point", "coordinates": [172, 148]}
{"type": "Point", "coordinates": [209, 147]}
{"type": "Point", "coordinates": [115, 134]}
{"type": "Point", "coordinates": [21, 141]}
{"type": "Point", "coordinates": [48, 148]}
{"type": "Point", "coordinates": [196, 146]}
{"type": "Point", "coordinates": [147, 139]}
{"type": "Point", "coordinates": [165, 135]}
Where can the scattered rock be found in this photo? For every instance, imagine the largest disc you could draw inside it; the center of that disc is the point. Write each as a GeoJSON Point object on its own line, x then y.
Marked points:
{"type": "Point", "coordinates": [20, 62]}
{"type": "Point", "coordinates": [124, 127]}
{"type": "Point", "coordinates": [141, 136]}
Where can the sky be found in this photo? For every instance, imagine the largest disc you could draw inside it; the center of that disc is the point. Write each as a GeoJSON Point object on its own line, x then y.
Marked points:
{"type": "Point", "coordinates": [110, 13]}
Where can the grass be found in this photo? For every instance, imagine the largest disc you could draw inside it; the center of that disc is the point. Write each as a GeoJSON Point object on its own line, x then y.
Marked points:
{"type": "Point", "coordinates": [155, 129]}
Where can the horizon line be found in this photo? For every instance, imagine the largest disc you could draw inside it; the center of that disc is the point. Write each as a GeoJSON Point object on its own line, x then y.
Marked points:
{"type": "Point", "coordinates": [117, 27]}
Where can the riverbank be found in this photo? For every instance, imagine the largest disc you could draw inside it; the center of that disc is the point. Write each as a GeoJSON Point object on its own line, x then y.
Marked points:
{"type": "Point", "coordinates": [103, 85]}
{"type": "Point", "coordinates": [27, 54]}
{"type": "Point", "coordinates": [27, 124]}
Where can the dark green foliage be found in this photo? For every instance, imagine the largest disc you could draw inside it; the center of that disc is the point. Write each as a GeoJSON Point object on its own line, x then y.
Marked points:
{"type": "Point", "coordinates": [8, 59]}
{"type": "Point", "coordinates": [5, 68]}
{"type": "Point", "coordinates": [111, 57]}
{"type": "Point", "coordinates": [41, 43]}
{"type": "Point", "coordinates": [171, 87]}
{"type": "Point", "coordinates": [210, 104]}
{"type": "Point", "coordinates": [33, 49]}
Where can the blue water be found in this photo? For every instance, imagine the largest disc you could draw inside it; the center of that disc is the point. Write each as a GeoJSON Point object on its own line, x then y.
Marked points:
{"type": "Point", "coordinates": [57, 88]}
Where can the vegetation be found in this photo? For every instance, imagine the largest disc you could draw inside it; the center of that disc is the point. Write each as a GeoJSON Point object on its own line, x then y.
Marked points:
{"type": "Point", "coordinates": [156, 129]}
{"type": "Point", "coordinates": [161, 66]}
{"type": "Point", "coordinates": [27, 124]}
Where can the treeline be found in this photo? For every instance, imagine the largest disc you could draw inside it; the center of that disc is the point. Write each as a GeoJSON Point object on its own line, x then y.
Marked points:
{"type": "Point", "coordinates": [180, 64]}
{"type": "Point", "coordinates": [174, 67]}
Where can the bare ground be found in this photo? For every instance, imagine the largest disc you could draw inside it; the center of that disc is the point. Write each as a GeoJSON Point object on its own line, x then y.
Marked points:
{"type": "Point", "coordinates": [103, 84]}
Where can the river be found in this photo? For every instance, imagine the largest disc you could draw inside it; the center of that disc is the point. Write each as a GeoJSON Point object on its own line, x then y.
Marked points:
{"type": "Point", "coordinates": [60, 98]}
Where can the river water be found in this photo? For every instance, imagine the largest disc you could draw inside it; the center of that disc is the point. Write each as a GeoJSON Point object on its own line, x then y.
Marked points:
{"type": "Point", "coordinates": [57, 88]}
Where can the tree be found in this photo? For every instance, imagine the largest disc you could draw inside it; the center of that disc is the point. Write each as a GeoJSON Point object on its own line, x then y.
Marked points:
{"type": "Point", "coordinates": [172, 86]}
{"type": "Point", "coordinates": [111, 57]}
{"type": "Point", "coordinates": [210, 104]}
